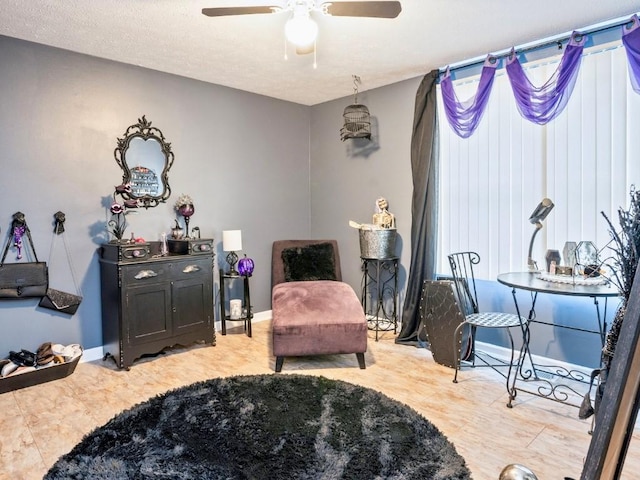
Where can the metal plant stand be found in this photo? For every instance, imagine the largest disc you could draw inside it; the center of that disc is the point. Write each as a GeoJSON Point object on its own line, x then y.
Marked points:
{"type": "Point", "coordinates": [380, 293]}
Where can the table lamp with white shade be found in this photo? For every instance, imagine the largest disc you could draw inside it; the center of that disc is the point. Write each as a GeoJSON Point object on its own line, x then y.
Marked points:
{"type": "Point", "coordinates": [232, 242]}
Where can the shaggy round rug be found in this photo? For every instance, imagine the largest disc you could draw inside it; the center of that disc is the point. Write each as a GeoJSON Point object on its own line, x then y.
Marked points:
{"type": "Point", "coordinates": [265, 427]}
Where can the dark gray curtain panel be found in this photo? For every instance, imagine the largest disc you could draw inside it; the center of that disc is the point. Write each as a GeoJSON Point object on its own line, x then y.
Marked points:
{"type": "Point", "coordinates": [424, 208]}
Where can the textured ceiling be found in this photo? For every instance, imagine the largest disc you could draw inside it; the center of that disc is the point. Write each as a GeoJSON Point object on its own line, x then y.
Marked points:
{"type": "Point", "coordinates": [247, 52]}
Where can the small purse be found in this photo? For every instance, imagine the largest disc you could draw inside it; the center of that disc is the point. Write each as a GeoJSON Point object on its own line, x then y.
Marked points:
{"type": "Point", "coordinates": [59, 300]}
{"type": "Point", "coordinates": [22, 279]}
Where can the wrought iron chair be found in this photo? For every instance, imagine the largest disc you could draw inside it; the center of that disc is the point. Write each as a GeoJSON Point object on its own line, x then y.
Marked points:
{"type": "Point", "coordinates": [462, 264]}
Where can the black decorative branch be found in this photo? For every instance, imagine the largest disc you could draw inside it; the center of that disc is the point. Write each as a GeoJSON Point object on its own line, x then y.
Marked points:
{"type": "Point", "coordinates": [625, 247]}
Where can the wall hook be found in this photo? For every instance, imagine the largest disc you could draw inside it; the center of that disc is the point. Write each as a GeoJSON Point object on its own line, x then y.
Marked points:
{"type": "Point", "coordinates": [356, 81]}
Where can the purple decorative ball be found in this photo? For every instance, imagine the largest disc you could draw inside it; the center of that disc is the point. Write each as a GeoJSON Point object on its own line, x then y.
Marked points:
{"type": "Point", "coordinates": [245, 266]}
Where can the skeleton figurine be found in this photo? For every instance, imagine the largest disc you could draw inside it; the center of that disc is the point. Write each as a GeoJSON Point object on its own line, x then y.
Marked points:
{"type": "Point", "coordinates": [383, 219]}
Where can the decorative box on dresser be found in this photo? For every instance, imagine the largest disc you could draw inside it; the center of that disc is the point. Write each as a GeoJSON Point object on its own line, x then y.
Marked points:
{"type": "Point", "coordinates": [151, 302]}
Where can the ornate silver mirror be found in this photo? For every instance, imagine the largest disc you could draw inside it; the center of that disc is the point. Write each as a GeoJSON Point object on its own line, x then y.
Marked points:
{"type": "Point", "coordinates": [145, 158]}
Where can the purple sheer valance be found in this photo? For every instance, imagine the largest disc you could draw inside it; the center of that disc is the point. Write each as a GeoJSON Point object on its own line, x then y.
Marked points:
{"type": "Point", "coordinates": [631, 42]}
{"type": "Point", "coordinates": [465, 116]}
{"type": "Point", "coordinates": [542, 104]}
{"type": "Point", "coordinates": [537, 104]}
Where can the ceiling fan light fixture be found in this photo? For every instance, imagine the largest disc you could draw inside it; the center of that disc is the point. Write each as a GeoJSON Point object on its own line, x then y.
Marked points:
{"type": "Point", "coordinates": [301, 30]}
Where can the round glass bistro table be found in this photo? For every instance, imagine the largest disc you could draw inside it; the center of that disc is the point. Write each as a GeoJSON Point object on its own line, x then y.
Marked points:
{"type": "Point", "coordinates": [549, 379]}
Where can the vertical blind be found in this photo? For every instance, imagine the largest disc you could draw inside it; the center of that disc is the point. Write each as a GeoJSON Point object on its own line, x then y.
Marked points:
{"type": "Point", "coordinates": [585, 161]}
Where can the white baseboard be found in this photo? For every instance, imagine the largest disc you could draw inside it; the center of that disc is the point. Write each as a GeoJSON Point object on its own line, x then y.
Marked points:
{"type": "Point", "coordinates": [96, 353]}
{"type": "Point", "coordinates": [261, 316]}
{"type": "Point", "coordinates": [502, 353]}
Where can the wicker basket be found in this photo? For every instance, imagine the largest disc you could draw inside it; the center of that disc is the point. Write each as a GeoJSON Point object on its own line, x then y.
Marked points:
{"type": "Point", "coordinates": [40, 375]}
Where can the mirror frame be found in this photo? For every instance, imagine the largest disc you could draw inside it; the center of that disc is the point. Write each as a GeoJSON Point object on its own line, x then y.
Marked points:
{"type": "Point", "coordinates": [145, 131]}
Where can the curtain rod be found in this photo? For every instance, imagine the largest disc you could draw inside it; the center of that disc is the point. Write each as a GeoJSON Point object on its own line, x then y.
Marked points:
{"type": "Point", "coordinates": [541, 46]}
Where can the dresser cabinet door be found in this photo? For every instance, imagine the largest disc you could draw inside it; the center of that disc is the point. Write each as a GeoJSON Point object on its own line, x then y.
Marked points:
{"type": "Point", "coordinates": [148, 313]}
{"type": "Point", "coordinates": [190, 305]}
{"type": "Point", "coordinates": [192, 293]}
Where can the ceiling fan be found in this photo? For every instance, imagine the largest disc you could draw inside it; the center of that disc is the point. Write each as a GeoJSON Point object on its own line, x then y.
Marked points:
{"type": "Point", "coordinates": [301, 29]}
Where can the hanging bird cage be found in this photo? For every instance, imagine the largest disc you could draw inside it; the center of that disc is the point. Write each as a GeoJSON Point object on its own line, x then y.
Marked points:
{"type": "Point", "coordinates": [357, 121]}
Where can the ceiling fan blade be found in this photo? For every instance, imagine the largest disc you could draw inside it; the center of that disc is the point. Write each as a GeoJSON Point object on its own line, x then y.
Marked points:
{"type": "Point", "coordinates": [224, 11]}
{"type": "Point", "coordinates": [362, 9]}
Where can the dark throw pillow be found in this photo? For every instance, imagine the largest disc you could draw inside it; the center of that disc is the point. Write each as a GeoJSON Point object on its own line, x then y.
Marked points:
{"type": "Point", "coordinates": [313, 262]}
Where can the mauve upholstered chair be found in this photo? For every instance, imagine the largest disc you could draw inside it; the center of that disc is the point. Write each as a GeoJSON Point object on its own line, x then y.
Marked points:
{"type": "Point", "coordinates": [314, 312]}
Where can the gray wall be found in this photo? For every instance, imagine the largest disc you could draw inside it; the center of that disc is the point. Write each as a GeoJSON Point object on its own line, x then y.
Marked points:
{"type": "Point", "coordinates": [273, 169]}
{"type": "Point", "coordinates": [244, 159]}
{"type": "Point", "coordinates": [347, 177]}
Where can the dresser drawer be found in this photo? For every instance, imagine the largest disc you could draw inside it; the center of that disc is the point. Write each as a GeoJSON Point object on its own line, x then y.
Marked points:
{"type": "Point", "coordinates": [146, 273]}
{"type": "Point", "coordinates": [191, 246]}
{"type": "Point", "coordinates": [191, 267]}
{"type": "Point", "coordinates": [166, 271]}
{"type": "Point", "coordinates": [126, 252]}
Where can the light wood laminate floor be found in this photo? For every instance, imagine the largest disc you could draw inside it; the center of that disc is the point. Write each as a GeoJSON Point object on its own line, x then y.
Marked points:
{"type": "Point", "coordinates": [40, 423]}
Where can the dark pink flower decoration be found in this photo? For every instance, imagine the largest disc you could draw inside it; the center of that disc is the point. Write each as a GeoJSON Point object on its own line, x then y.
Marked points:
{"type": "Point", "coordinates": [116, 208]}
{"type": "Point", "coordinates": [123, 188]}
{"type": "Point", "coordinates": [131, 203]}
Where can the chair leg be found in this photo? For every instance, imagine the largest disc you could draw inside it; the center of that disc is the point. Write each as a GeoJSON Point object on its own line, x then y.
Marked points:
{"type": "Point", "coordinates": [456, 352]}
{"type": "Point", "coordinates": [361, 360]}
{"type": "Point", "coordinates": [471, 350]}
{"type": "Point", "coordinates": [511, 390]}
{"type": "Point", "coordinates": [279, 362]}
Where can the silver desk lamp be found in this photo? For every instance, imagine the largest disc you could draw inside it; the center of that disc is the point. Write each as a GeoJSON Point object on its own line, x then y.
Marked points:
{"type": "Point", "coordinates": [539, 214]}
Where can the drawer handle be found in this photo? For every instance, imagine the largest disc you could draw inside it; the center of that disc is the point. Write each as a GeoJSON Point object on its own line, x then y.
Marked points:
{"type": "Point", "coordinates": [142, 274]}
{"type": "Point", "coordinates": [191, 269]}
{"type": "Point", "coordinates": [134, 253]}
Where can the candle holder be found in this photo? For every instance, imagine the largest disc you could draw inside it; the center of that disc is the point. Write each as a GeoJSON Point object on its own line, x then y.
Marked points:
{"type": "Point", "coordinates": [186, 211]}
{"type": "Point", "coordinates": [184, 206]}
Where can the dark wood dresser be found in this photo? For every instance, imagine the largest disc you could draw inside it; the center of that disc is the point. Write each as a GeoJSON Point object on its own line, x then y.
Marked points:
{"type": "Point", "coordinates": [153, 302]}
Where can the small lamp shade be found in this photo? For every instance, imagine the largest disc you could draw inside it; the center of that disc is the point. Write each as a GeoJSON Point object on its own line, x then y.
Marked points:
{"type": "Point", "coordinates": [542, 210]}
{"type": "Point", "coordinates": [231, 240]}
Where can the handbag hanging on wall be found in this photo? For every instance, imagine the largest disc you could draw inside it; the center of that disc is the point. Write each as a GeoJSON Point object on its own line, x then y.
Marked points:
{"type": "Point", "coordinates": [57, 299]}
{"type": "Point", "coordinates": [22, 279]}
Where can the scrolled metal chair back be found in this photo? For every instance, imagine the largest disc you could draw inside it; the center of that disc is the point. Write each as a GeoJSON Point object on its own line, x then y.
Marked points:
{"type": "Point", "coordinates": [461, 264]}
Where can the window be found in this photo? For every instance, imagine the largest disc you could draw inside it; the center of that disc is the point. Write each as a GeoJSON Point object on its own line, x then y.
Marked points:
{"type": "Point", "coordinates": [585, 161]}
